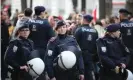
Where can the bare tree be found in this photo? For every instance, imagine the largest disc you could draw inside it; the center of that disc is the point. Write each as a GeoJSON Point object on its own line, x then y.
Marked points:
{"type": "Point", "coordinates": [105, 8]}
{"type": "Point", "coordinates": [83, 5]}
{"type": "Point", "coordinates": [74, 4]}
{"type": "Point", "coordinates": [102, 10]}
{"type": "Point", "coordinates": [23, 4]}
{"type": "Point", "coordinates": [129, 5]}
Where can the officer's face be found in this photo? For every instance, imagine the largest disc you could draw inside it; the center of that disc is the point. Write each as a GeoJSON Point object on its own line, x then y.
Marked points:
{"type": "Point", "coordinates": [43, 14]}
{"type": "Point", "coordinates": [24, 32]}
{"type": "Point", "coordinates": [62, 30]}
{"type": "Point", "coordinates": [120, 16]}
{"type": "Point", "coordinates": [116, 34]}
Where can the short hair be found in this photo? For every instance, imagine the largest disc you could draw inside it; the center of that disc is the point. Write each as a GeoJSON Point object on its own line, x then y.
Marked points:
{"type": "Point", "coordinates": [98, 22]}
{"type": "Point", "coordinates": [125, 14]}
{"type": "Point", "coordinates": [28, 12]}
{"type": "Point", "coordinates": [39, 9]}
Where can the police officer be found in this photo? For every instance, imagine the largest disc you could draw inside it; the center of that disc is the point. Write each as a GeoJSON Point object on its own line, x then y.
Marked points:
{"type": "Point", "coordinates": [113, 54]}
{"type": "Point", "coordinates": [127, 33]}
{"type": "Point", "coordinates": [58, 44]}
{"type": "Point", "coordinates": [86, 37]}
{"type": "Point", "coordinates": [41, 31]}
{"type": "Point", "coordinates": [18, 52]}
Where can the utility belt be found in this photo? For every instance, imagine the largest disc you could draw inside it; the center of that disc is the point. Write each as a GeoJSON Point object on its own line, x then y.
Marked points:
{"type": "Point", "coordinates": [87, 53]}
{"type": "Point", "coordinates": [73, 72]}
{"type": "Point", "coordinates": [58, 68]}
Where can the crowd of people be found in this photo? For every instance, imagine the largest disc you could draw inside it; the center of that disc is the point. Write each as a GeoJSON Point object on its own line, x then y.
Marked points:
{"type": "Point", "coordinates": [103, 48]}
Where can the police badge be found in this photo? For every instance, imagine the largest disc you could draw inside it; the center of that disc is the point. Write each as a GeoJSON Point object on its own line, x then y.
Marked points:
{"type": "Point", "coordinates": [34, 28]}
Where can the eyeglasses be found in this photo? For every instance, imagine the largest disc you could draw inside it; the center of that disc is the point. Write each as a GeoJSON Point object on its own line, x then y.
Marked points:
{"type": "Point", "coordinates": [24, 30]}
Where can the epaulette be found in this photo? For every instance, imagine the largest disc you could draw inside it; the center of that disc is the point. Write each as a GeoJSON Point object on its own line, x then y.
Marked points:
{"type": "Point", "coordinates": [73, 37]}
{"type": "Point", "coordinates": [52, 39]}
{"type": "Point", "coordinates": [30, 40]}
{"type": "Point", "coordinates": [12, 40]}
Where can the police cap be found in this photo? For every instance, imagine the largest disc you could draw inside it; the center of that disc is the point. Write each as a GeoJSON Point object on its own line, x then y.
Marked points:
{"type": "Point", "coordinates": [59, 24]}
{"type": "Point", "coordinates": [113, 28]}
{"type": "Point", "coordinates": [88, 17]}
{"type": "Point", "coordinates": [123, 11]}
{"type": "Point", "coordinates": [39, 9]}
{"type": "Point", "coordinates": [22, 26]}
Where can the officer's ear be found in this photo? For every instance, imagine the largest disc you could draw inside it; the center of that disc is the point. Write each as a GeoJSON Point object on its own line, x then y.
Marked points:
{"type": "Point", "coordinates": [43, 13]}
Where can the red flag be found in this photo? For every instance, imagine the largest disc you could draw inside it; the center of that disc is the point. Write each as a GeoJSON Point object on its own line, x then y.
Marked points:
{"type": "Point", "coordinates": [94, 14]}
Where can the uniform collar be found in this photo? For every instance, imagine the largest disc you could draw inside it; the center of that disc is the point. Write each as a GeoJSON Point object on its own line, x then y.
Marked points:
{"type": "Point", "coordinates": [62, 36]}
{"type": "Point", "coordinates": [21, 38]}
{"type": "Point", "coordinates": [38, 17]}
{"type": "Point", "coordinates": [124, 20]}
{"type": "Point", "coordinates": [85, 25]}
{"type": "Point", "coordinates": [110, 37]}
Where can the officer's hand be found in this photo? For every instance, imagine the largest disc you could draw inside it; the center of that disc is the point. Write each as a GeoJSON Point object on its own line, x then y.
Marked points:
{"type": "Point", "coordinates": [117, 69]}
{"type": "Point", "coordinates": [47, 78]}
{"type": "Point", "coordinates": [53, 78]}
{"type": "Point", "coordinates": [81, 77]}
{"type": "Point", "coordinates": [24, 68]}
{"type": "Point", "coordinates": [123, 65]}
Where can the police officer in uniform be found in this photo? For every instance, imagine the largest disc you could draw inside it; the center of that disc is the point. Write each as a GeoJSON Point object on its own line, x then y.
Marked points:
{"type": "Point", "coordinates": [41, 31]}
{"type": "Point", "coordinates": [113, 54]}
{"type": "Point", "coordinates": [86, 37]}
{"type": "Point", "coordinates": [56, 45]}
{"type": "Point", "coordinates": [27, 16]}
{"type": "Point", "coordinates": [18, 53]}
{"type": "Point", "coordinates": [127, 33]}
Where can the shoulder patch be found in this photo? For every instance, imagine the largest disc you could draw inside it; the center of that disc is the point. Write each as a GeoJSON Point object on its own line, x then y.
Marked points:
{"type": "Point", "coordinates": [52, 39]}
{"type": "Point", "coordinates": [50, 52]}
{"type": "Point", "coordinates": [15, 48]}
{"type": "Point", "coordinates": [103, 49]}
{"type": "Point", "coordinates": [127, 50]}
{"type": "Point", "coordinates": [30, 40]}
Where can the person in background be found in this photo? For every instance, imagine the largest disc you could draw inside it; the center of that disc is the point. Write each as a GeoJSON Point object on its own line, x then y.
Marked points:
{"type": "Point", "coordinates": [113, 19]}
{"type": "Point", "coordinates": [104, 22]}
{"type": "Point", "coordinates": [100, 29]}
{"type": "Point", "coordinates": [4, 43]}
{"type": "Point", "coordinates": [15, 17]}
{"type": "Point", "coordinates": [52, 21]}
{"type": "Point", "coordinates": [86, 37]}
{"type": "Point", "coordinates": [21, 20]}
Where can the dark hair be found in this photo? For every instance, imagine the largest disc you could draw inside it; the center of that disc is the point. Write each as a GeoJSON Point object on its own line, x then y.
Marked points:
{"type": "Point", "coordinates": [125, 14]}
{"type": "Point", "coordinates": [111, 20]}
{"type": "Point", "coordinates": [37, 13]}
{"type": "Point", "coordinates": [39, 9]}
{"type": "Point", "coordinates": [1, 12]}
{"type": "Point", "coordinates": [98, 22]}
{"type": "Point", "coordinates": [28, 12]}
